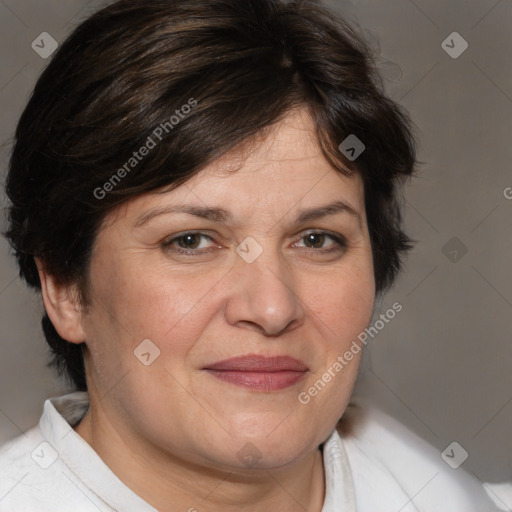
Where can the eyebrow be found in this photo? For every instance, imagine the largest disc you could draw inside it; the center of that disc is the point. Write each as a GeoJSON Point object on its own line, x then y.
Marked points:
{"type": "Point", "coordinates": [213, 214]}
{"type": "Point", "coordinates": [222, 215]}
{"type": "Point", "coordinates": [329, 209]}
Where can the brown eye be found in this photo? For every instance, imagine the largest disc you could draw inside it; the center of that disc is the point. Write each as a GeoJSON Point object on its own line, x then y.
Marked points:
{"type": "Point", "coordinates": [320, 242]}
{"type": "Point", "coordinates": [315, 240]}
{"type": "Point", "coordinates": [189, 241]}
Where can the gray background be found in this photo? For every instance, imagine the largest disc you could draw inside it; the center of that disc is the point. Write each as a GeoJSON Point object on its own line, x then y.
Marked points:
{"type": "Point", "coordinates": [442, 365]}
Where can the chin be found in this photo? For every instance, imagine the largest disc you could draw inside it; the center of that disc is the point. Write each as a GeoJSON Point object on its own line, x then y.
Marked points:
{"type": "Point", "coordinates": [264, 452]}
{"type": "Point", "coordinates": [263, 456]}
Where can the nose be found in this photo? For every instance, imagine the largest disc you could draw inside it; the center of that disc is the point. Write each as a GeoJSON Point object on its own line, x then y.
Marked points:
{"type": "Point", "coordinates": [264, 297]}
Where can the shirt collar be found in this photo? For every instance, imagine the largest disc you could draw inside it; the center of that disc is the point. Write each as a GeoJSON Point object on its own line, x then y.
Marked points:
{"type": "Point", "coordinates": [60, 414]}
{"type": "Point", "coordinates": [339, 486]}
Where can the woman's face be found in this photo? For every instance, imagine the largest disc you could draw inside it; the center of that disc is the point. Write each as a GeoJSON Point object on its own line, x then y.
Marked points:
{"type": "Point", "coordinates": [271, 260]}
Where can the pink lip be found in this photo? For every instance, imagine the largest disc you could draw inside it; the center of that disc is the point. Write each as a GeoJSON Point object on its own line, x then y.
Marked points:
{"type": "Point", "coordinates": [259, 372]}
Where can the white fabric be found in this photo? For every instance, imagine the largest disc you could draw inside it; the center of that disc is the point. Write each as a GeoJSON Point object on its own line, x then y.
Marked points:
{"type": "Point", "coordinates": [383, 467]}
{"type": "Point", "coordinates": [501, 494]}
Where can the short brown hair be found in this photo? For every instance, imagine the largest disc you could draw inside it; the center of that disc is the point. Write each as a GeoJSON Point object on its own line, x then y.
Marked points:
{"type": "Point", "coordinates": [133, 65]}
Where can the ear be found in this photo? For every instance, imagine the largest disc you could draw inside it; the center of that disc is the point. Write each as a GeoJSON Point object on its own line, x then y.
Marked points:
{"type": "Point", "coordinates": [61, 304]}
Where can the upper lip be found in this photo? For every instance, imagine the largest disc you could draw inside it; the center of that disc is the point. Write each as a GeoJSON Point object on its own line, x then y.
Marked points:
{"type": "Point", "coordinates": [259, 363]}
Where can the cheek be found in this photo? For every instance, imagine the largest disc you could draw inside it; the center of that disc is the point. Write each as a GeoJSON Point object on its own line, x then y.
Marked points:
{"type": "Point", "coordinates": [344, 300]}
{"type": "Point", "coordinates": [154, 303]}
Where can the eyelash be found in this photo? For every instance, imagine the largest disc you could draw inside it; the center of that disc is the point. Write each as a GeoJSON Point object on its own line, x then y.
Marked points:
{"type": "Point", "coordinates": [340, 243]}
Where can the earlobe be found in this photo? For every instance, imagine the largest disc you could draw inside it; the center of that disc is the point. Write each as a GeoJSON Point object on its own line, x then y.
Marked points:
{"type": "Point", "coordinates": [62, 306]}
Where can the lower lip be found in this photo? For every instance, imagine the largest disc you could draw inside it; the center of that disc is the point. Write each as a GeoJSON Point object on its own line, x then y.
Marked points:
{"type": "Point", "coordinates": [260, 381]}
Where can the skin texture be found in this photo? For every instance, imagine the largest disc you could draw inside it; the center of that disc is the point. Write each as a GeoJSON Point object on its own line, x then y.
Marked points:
{"type": "Point", "coordinates": [170, 430]}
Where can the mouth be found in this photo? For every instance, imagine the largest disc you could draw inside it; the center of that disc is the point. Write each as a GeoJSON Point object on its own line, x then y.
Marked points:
{"type": "Point", "coordinates": [260, 373]}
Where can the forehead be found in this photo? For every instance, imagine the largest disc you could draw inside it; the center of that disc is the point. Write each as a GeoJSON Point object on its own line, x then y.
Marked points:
{"type": "Point", "coordinates": [289, 141]}
{"type": "Point", "coordinates": [281, 168]}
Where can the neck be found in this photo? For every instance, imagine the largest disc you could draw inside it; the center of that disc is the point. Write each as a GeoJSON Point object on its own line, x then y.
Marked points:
{"type": "Point", "coordinates": [162, 479]}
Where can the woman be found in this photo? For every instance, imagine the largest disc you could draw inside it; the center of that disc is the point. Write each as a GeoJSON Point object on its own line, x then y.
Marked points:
{"type": "Point", "coordinates": [206, 195]}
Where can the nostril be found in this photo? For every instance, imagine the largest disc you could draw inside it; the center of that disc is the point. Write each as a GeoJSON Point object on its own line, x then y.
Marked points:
{"type": "Point", "coordinates": [268, 330]}
{"type": "Point", "coordinates": [252, 326]}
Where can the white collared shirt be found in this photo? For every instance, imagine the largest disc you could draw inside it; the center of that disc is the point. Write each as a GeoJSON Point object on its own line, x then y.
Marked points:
{"type": "Point", "coordinates": [382, 467]}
